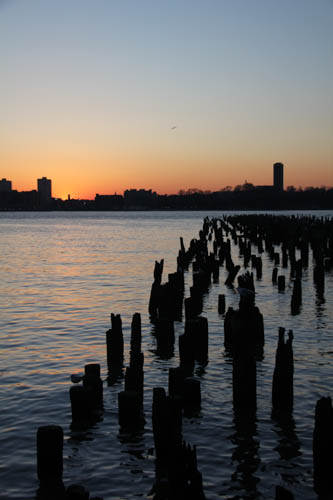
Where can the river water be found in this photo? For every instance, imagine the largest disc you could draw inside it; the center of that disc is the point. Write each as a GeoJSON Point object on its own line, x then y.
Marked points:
{"type": "Point", "coordinates": [61, 276]}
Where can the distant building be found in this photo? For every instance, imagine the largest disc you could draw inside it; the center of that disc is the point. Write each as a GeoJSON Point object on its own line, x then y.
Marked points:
{"type": "Point", "coordinates": [109, 202]}
{"type": "Point", "coordinates": [5, 186]}
{"type": "Point", "coordinates": [278, 176]}
{"type": "Point", "coordinates": [138, 199]}
{"type": "Point", "coordinates": [44, 191]}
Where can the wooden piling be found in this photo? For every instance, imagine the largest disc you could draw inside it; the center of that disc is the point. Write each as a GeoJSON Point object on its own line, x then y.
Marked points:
{"type": "Point", "coordinates": [129, 409]}
{"type": "Point", "coordinates": [155, 289]}
{"type": "Point", "coordinates": [134, 378]}
{"type": "Point", "coordinates": [283, 376]}
{"type": "Point", "coordinates": [186, 352]}
{"type": "Point", "coordinates": [176, 381]}
{"type": "Point", "coordinates": [167, 424]}
{"type": "Point", "coordinates": [197, 330]}
{"type": "Point", "coordinates": [274, 274]}
{"type": "Point", "coordinates": [323, 448]}
{"type": "Point", "coordinates": [136, 332]}
{"type": "Point", "coordinates": [191, 392]}
{"type": "Point", "coordinates": [115, 343]}
{"type": "Point", "coordinates": [49, 454]}
{"type": "Point", "coordinates": [165, 332]}
{"type": "Point", "coordinates": [93, 385]}
{"type": "Point", "coordinates": [296, 299]}
{"type": "Point", "coordinates": [221, 304]}
{"type": "Point", "coordinates": [80, 406]}
{"type": "Point", "coordinates": [228, 339]}
{"type": "Point", "coordinates": [244, 382]}
{"type": "Point", "coordinates": [281, 283]}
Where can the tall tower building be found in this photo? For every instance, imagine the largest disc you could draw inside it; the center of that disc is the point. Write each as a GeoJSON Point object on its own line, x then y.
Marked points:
{"type": "Point", "coordinates": [278, 176]}
{"type": "Point", "coordinates": [44, 190]}
{"type": "Point", "coordinates": [5, 186]}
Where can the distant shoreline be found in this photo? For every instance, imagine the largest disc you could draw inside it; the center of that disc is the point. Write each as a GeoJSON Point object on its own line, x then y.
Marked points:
{"type": "Point", "coordinates": [261, 209]}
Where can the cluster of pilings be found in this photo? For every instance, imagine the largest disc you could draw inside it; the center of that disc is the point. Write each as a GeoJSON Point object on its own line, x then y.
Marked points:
{"type": "Point", "coordinates": [50, 468]}
{"type": "Point", "coordinates": [86, 399]}
{"type": "Point", "coordinates": [293, 235]}
{"type": "Point", "coordinates": [244, 328]}
{"type": "Point", "coordinates": [176, 482]}
{"type": "Point", "coordinates": [177, 475]}
{"type": "Point", "coordinates": [166, 299]}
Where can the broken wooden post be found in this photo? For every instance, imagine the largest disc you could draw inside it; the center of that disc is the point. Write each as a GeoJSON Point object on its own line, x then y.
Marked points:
{"type": "Point", "coordinates": [274, 275]}
{"type": "Point", "coordinates": [228, 328]}
{"type": "Point", "coordinates": [49, 455]}
{"type": "Point", "coordinates": [165, 334]}
{"type": "Point", "coordinates": [197, 330]}
{"type": "Point", "coordinates": [93, 385]}
{"type": "Point", "coordinates": [136, 332]}
{"type": "Point", "coordinates": [190, 309]}
{"type": "Point", "coordinates": [244, 382]}
{"type": "Point", "coordinates": [176, 380]}
{"type": "Point", "coordinates": [232, 275]}
{"type": "Point", "coordinates": [191, 393]}
{"type": "Point", "coordinates": [167, 424]}
{"type": "Point", "coordinates": [258, 267]}
{"type": "Point", "coordinates": [186, 352]}
{"type": "Point", "coordinates": [115, 343]}
{"type": "Point", "coordinates": [155, 288]}
{"type": "Point", "coordinates": [134, 377]}
{"type": "Point", "coordinates": [129, 409]}
{"type": "Point", "coordinates": [296, 299]}
{"type": "Point", "coordinates": [281, 283]}
{"type": "Point", "coordinates": [323, 448]}
{"type": "Point", "coordinates": [221, 304]}
{"type": "Point", "coordinates": [80, 406]}
{"type": "Point", "coordinates": [159, 422]}
{"type": "Point", "coordinates": [283, 376]}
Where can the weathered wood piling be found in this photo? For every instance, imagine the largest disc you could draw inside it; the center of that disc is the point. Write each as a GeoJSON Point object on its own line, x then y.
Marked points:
{"type": "Point", "coordinates": [283, 376]}
{"type": "Point", "coordinates": [87, 399]}
{"type": "Point", "coordinates": [50, 440]}
{"type": "Point", "coordinates": [323, 448]}
{"type": "Point", "coordinates": [115, 344]}
{"type": "Point", "coordinates": [221, 304]}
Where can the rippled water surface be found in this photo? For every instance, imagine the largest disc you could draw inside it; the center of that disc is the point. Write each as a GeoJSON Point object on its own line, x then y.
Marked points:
{"type": "Point", "coordinates": [61, 276]}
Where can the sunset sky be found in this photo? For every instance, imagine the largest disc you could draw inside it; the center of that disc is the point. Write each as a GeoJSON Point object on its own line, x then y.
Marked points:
{"type": "Point", "coordinates": [91, 92]}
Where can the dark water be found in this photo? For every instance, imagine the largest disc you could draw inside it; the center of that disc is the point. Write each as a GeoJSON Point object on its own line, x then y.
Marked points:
{"type": "Point", "coordinates": [61, 276]}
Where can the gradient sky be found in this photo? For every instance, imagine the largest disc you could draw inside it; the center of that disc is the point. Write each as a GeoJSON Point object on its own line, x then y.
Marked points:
{"type": "Point", "coordinates": [90, 91]}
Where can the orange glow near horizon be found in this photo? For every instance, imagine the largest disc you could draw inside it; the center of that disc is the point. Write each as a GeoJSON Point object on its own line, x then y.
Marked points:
{"type": "Point", "coordinates": [164, 97]}
{"type": "Point", "coordinates": [84, 177]}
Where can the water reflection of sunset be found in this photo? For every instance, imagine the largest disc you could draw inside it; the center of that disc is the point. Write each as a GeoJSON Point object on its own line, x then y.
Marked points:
{"type": "Point", "coordinates": [65, 274]}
